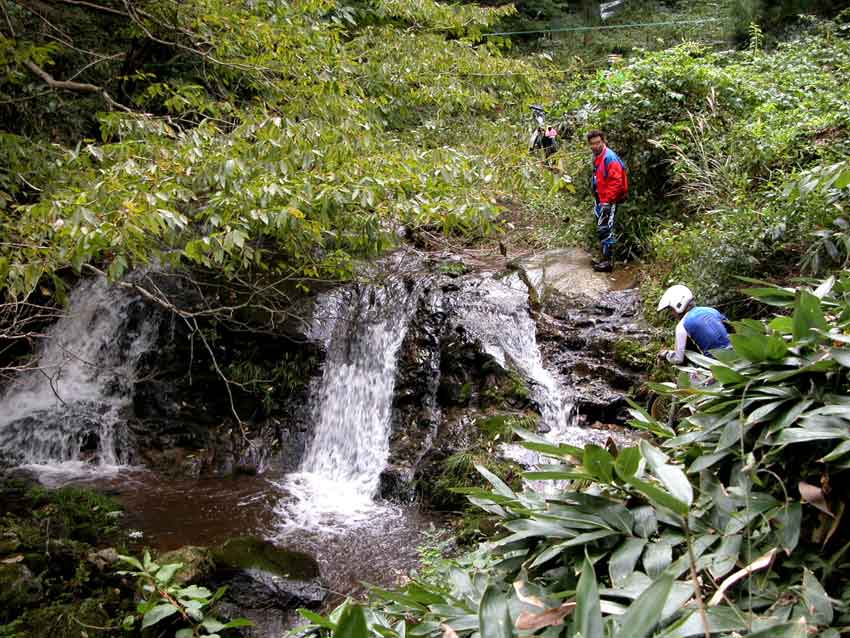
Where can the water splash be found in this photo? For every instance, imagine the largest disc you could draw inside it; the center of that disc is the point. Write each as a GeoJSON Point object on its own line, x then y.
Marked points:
{"type": "Point", "coordinates": [68, 409]}
{"type": "Point", "coordinates": [362, 327]}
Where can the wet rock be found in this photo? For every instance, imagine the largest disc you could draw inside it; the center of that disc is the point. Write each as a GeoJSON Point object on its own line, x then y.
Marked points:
{"type": "Point", "coordinates": [266, 582]}
{"type": "Point", "coordinates": [18, 590]}
{"type": "Point", "coordinates": [255, 553]}
{"type": "Point", "coordinates": [198, 563]}
{"type": "Point", "coordinates": [182, 420]}
{"type": "Point", "coordinates": [104, 559]}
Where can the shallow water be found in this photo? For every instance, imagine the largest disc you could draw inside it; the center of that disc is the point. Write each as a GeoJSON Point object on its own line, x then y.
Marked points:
{"type": "Point", "coordinates": [377, 546]}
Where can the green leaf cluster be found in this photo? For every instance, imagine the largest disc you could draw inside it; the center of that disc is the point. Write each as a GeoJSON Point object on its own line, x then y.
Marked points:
{"type": "Point", "coordinates": [164, 597]}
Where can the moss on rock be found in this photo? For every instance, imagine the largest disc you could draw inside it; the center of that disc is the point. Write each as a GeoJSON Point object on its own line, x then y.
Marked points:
{"type": "Point", "coordinates": [249, 552]}
{"type": "Point", "coordinates": [198, 563]}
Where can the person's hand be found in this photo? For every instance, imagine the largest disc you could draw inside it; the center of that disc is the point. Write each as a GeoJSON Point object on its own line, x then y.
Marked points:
{"type": "Point", "coordinates": [664, 355]}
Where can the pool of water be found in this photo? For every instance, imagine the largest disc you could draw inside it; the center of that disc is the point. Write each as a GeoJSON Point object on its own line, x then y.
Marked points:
{"type": "Point", "coordinates": [377, 545]}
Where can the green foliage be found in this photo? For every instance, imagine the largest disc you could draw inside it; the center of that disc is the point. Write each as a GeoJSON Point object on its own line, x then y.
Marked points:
{"type": "Point", "coordinates": [715, 143]}
{"type": "Point", "coordinates": [162, 598]}
{"type": "Point", "coordinates": [297, 140]}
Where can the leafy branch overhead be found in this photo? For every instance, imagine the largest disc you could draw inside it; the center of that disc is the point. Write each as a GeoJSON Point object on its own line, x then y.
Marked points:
{"type": "Point", "coordinates": [289, 142]}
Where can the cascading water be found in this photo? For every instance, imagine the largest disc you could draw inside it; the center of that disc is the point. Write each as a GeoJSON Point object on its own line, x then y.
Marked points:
{"type": "Point", "coordinates": [497, 314]}
{"type": "Point", "coordinates": [67, 409]}
{"type": "Point", "coordinates": [362, 327]}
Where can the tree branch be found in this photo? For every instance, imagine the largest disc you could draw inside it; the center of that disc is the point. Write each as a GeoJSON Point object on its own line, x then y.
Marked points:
{"type": "Point", "coordinates": [79, 87]}
{"type": "Point", "coordinates": [96, 7]}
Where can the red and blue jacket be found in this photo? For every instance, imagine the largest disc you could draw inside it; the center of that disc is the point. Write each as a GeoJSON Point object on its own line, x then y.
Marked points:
{"type": "Point", "coordinates": [610, 180]}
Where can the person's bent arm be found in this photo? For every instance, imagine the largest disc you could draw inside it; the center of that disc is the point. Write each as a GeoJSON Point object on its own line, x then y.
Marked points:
{"type": "Point", "coordinates": [616, 186]}
{"type": "Point", "coordinates": [677, 356]}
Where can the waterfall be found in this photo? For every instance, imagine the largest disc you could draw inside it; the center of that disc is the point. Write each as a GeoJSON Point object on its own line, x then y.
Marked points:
{"type": "Point", "coordinates": [497, 315]}
{"type": "Point", "coordinates": [362, 327]}
{"type": "Point", "coordinates": [68, 407]}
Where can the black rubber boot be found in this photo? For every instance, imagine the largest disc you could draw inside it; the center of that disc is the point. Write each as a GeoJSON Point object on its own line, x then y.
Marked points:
{"type": "Point", "coordinates": [603, 266]}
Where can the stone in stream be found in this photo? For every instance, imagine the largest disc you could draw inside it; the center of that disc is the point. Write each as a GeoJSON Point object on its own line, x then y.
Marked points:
{"type": "Point", "coordinates": [261, 575]}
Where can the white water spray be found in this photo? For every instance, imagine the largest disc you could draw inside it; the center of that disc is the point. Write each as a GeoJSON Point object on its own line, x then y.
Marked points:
{"type": "Point", "coordinates": [69, 405]}
{"type": "Point", "coordinates": [362, 328]}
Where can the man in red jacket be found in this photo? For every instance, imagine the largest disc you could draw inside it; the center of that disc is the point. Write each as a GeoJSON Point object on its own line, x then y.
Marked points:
{"type": "Point", "coordinates": [610, 187]}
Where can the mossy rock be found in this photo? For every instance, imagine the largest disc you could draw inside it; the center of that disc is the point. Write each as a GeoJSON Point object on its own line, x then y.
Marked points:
{"type": "Point", "coordinates": [454, 268]}
{"type": "Point", "coordinates": [500, 426]}
{"type": "Point", "coordinates": [9, 542]}
{"type": "Point", "coordinates": [66, 620]}
{"type": "Point", "coordinates": [76, 513]}
{"type": "Point", "coordinates": [198, 563]}
{"type": "Point", "coordinates": [505, 389]}
{"type": "Point", "coordinates": [19, 589]}
{"type": "Point", "coordinates": [249, 552]}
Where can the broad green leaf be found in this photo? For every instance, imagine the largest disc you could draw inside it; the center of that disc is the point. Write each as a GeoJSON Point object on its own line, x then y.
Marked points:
{"type": "Point", "coordinates": [599, 462]}
{"type": "Point", "coordinates": [818, 604]}
{"type": "Point", "coordinates": [657, 557]}
{"type": "Point", "coordinates": [193, 591]}
{"type": "Point", "coordinates": [622, 562]}
{"type": "Point", "coordinates": [212, 625]}
{"type": "Point", "coordinates": [493, 615]}
{"type": "Point", "coordinates": [646, 522]}
{"type": "Point", "coordinates": [763, 412]}
{"type": "Point", "coordinates": [498, 484]}
{"type": "Point", "coordinates": [790, 518]}
{"type": "Point", "coordinates": [782, 325]}
{"type": "Point", "coordinates": [726, 375]}
{"type": "Point", "coordinates": [165, 573]}
{"type": "Point", "coordinates": [807, 316]}
{"type": "Point", "coordinates": [658, 496]}
{"type": "Point", "coordinates": [801, 435]}
{"type": "Point", "coordinates": [628, 462]}
{"type": "Point", "coordinates": [726, 556]}
{"type": "Point", "coordinates": [317, 619]}
{"type": "Point", "coordinates": [754, 348]}
{"type": "Point", "coordinates": [841, 355]}
{"type": "Point", "coordinates": [837, 453]}
{"type": "Point", "coordinates": [797, 629]}
{"type": "Point", "coordinates": [588, 615]}
{"type": "Point", "coordinates": [673, 478]}
{"type": "Point", "coordinates": [132, 561]}
{"type": "Point", "coordinates": [352, 624]}
{"type": "Point", "coordinates": [720, 620]}
{"type": "Point", "coordinates": [158, 613]}
{"type": "Point", "coordinates": [706, 461]}
{"type": "Point", "coordinates": [644, 613]}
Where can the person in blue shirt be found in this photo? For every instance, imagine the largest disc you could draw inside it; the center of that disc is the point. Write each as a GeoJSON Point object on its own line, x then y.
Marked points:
{"type": "Point", "coordinates": [702, 324]}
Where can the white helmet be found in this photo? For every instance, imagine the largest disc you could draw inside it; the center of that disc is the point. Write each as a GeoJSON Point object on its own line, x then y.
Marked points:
{"type": "Point", "coordinates": [676, 297]}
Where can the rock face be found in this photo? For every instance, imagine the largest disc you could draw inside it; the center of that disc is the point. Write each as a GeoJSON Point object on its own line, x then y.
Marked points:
{"type": "Point", "coordinates": [183, 416]}
{"type": "Point", "coordinates": [464, 378]}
